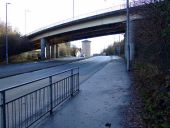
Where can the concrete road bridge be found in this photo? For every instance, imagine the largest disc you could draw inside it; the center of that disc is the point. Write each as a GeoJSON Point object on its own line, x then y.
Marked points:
{"type": "Point", "coordinates": [101, 23]}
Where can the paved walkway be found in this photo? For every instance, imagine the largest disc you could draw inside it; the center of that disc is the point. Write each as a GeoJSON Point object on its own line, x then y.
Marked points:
{"type": "Point", "coordinates": [99, 102]}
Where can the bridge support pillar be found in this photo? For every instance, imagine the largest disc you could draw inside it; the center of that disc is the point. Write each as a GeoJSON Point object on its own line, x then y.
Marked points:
{"type": "Point", "coordinates": [132, 40]}
{"type": "Point", "coordinates": [53, 51]}
{"type": "Point", "coordinates": [57, 51]}
{"type": "Point", "coordinates": [130, 54]}
{"type": "Point", "coordinates": [43, 42]}
{"type": "Point", "coordinates": [48, 51]}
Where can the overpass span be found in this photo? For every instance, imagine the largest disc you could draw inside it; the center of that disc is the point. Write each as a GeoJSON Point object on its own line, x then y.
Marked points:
{"type": "Point", "coordinates": [112, 22]}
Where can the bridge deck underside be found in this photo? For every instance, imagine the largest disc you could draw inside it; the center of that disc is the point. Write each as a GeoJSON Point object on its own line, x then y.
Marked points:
{"type": "Point", "coordinates": [90, 32]}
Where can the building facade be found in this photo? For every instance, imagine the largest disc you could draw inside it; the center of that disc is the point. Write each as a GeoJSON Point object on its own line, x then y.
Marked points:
{"type": "Point", "coordinates": [86, 48]}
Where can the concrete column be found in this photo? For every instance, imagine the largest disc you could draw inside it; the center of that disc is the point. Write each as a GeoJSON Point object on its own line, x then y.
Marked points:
{"type": "Point", "coordinates": [57, 50]}
{"type": "Point", "coordinates": [131, 40]}
{"type": "Point", "coordinates": [126, 46]}
{"type": "Point", "coordinates": [42, 43]}
{"type": "Point", "coordinates": [131, 43]}
{"type": "Point", "coordinates": [53, 51]}
{"type": "Point", "coordinates": [47, 50]}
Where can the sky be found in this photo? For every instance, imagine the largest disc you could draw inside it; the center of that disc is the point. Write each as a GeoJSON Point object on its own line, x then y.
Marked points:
{"type": "Point", "coordinates": [26, 16]}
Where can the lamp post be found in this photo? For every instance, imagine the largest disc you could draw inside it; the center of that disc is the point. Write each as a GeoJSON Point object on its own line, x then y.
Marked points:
{"type": "Point", "coordinates": [127, 35]}
{"type": "Point", "coordinates": [26, 11]}
{"type": "Point", "coordinates": [6, 34]}
{"type": "Point", "coordinates": [73, 9]}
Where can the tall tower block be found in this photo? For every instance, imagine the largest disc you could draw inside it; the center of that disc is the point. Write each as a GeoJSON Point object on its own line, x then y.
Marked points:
{"type": "Point", "coordinates": [86, 48]}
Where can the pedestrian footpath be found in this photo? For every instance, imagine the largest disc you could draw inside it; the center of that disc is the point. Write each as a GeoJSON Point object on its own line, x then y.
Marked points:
{"type": "Point", "coordinates": [99, 103]}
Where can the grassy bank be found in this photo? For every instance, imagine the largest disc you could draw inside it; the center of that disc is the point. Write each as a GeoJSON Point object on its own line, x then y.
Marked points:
{"type": "Point", "coordinates": [153, 87]}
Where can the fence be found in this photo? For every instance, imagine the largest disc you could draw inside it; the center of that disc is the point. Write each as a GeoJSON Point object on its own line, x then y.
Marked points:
{"type": "Point", "coordinates": [23, 105]}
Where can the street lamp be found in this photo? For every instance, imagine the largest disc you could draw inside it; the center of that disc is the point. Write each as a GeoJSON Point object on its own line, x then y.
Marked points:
{"type": "Point", "coordinates": [127, 35]}
{"type": "Point", "coordinates": [26, 11]}
{"type": "Point", "coordinates": [6, 34]}
{"type": "Point", "coordinates": [73, 9]}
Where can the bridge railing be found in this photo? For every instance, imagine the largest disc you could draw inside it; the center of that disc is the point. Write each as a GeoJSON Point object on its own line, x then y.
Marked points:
{"type": "Point", "coordinates": [23, 105]}
{"type": "Point", "coordinates": [110, 9]}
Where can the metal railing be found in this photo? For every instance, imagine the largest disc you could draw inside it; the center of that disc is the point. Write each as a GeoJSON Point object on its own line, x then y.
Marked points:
{"type": "Point", "coordinates": [23, 105]}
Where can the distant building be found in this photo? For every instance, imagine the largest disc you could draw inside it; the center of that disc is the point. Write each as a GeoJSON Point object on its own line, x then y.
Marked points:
{"type": "Point", "coordinates": [86, 48]}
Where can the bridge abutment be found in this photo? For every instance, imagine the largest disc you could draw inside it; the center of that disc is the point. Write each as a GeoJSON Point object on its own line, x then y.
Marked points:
{"type": "Point", "coordinates": [131, 49]}
{"type": "Point", "coordinates": [131, 40]}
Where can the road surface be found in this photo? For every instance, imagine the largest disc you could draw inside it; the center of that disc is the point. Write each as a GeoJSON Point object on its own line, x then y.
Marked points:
{"type": "Point", "coordinates": [87, 68]}
{"type": "Point", "coordinates": [20, 68]}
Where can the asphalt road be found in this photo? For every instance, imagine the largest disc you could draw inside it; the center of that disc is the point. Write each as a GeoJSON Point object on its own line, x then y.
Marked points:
{"type": "Point", "coordinates": [20, 68]}
{"type": "Point", "coordinates": [87, 68]}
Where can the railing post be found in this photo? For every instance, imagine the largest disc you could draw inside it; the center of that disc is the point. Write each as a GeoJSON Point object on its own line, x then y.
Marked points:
{"type": "Point", "coordinates": [1, 118]}
{"type": "Point", "coordinates": [51, 95]}
{"type": "Point", "coordinates": [78, 80]}
{"type": "Point", "coordinates": [72, 82]}
{"type": "Point", "coordinates": [3, 109]}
